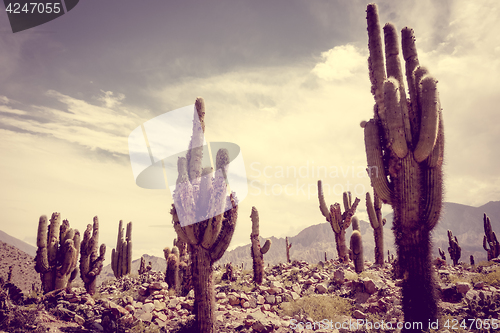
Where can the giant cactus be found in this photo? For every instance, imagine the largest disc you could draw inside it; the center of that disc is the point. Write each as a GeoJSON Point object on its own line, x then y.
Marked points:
{"type": "Point", "coordinates": [199, 194]}
{"type": "Point", "coordinates": [490, 242]}
{"type": "Point", "coordinates": [374, 210]}
{"type": "Point", "coordinates": [357, 251]}
{"type": "Point", "coordinates": [404, 148]}
{"type": "Point", "coordinates": [57, 254]}
{"type": "Point", "coordinates": [256, 251]}
{"type": "Point", "coordinates": [121, 257]}
{"type": "Point", "coordinates": [339, 221]}
{"type": "Point", "coordinates": [90, 262]}
{"type": "Point", "coordinates": [454, 249]}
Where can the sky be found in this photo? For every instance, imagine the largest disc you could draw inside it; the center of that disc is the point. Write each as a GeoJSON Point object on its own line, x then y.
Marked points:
{"type": "Point", "coordinates": [285, 80]}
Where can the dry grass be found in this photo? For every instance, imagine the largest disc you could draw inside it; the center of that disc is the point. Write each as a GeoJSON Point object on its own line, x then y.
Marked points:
{"type": "Point", "coordinates": [318, 307]}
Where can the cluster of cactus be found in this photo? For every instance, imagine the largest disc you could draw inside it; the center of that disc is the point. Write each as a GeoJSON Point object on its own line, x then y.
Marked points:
{"type": "Point", "coordinates": [57, 253]}
{"type": "Point", "coordinates": [143, 268]}
{"type": "Point", "coordinates": [90, 262]}
{"type": "Point", "coordinates": [357, 251]}
{"type": "Point", "coordinates": [404, 146]}
{"type": "Point", "coordinates": [454, 249]}
{"type": "Point", "coordinates": [121, 257]}
{"type": "Point", "coordinates": [490, 242]}
{"type": "Point", "coordinates": [288, 246]}
{"type": "Point", "coordinates": [339, 221]}
{"type": "Point", "coordinates": [442, 254]}
{"type": "Point", "coordinates": [256, 251]}
{"type": "Point", "coordinates": [374, 210]}
{"type": "Point", "coordinates": [198, 193]}
{"type": "Point", "coordinates": [172, 272]}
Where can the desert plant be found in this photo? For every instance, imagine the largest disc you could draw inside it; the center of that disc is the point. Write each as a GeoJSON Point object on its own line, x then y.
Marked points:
{"type": "Point", "coordinates": [454, 249]}
{"type": "Point", "coordinates": [442, 254]}
{"type": "Point", "coordinates": [287, 247]}
{"type": "Point", "coordinates": [57, 254]}
{"type": "Point", "coordinates": [90, 262]}
{"type": "Point", "coordinates": [357, 251]}
{"type": "Point", "coordinates": [471, 259]}
{"type": "Point", "coordinates": [338, 221]}
{"type": "Point", "coordinates": [490, 239]}
{"type": "Point", "coordinates": [355, 223]}
{"type": "Point", "coordinates": [257, 251]}
{"type": "Point", "coordinates": [374, 210]}
{"type": "Point", "coordinates": [172, 272]}
{"type": "Point", "coordinates": [404, 146]}
{"type": "Point", "coordinates": [209, 237]}
{"type": "Point", "coordinates": [121, 257]}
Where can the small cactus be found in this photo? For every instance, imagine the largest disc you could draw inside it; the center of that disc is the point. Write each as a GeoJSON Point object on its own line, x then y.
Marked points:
{"type": "Point", "coordinates": [257, 251]}
{"type": "Point", "coordinates": [490, 242]}
{"type": "Point", "coordinates": [57, 254]}
{"type": "Point", "coordinates": [374, 210]}
{"type": "Point", "coordinates": [91, 263]}
{"type": "Point", "coordinates": [454, 249]}
{"type": "Point", "coordinates": [121, 257]}
{"type": "Point", "coordinates": [471, 258]}
{"type": "Point", "coordinates": [442, 254]}
{"type": "Point", "coordinates": [338, 221]}
{"type": "Point", "coordinates": [355, 223]}
{"type": "Point", "coordinates": [172, 273]}
{"type": "Point", "coordinates": [288, 246]}
{"type": "Point", "coordinates": [357, 251]}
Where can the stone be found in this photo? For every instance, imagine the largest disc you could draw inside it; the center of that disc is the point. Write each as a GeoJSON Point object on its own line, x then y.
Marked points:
{"type": "Point", "coordinates": [370, 286]}
{"type": "Point", "coordinates": [321, 288]}
{"type": "Point", "coordinates": [463, 287]}
{"type": "Point", "coordinates": [359, 315]}
{"type": "Point", "coordinates": [270, 299]}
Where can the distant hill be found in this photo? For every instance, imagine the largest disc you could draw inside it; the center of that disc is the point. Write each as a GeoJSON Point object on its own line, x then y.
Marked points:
{"type": "Point", "coordinates": [25, 247]}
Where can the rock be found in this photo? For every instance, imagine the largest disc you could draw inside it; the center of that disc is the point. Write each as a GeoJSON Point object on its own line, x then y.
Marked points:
{"type": "Point", "coordinates": [321, 289]}
{"type": "Point", "coordinates": [270, 299]}
{"type": "Point", "coordinates": [359, 315]}
{"type": "Point", "coordinates": [370, 286]}
{"type": "Point", "coordinates": [463, 287]}
{"type": "Point", "coordinates": [79, 320]}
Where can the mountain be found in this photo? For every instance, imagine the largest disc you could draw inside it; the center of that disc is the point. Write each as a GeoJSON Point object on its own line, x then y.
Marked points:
{"type": "Point", "coordinates": [24, 275]}
{"type": "Point", "coordinates": [25, 247]}
{"type": "Point", "coordinates": [310, 244]}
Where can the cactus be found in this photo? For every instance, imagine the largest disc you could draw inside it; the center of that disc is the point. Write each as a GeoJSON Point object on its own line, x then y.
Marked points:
{"type": "Point", "coordinates": [288, 246]}
{"type": "Point", "coordinates": [404, 146]}
{"type": "Point", "coordinates": [182, 246]}
{"type": "Point", "coordinates": [121, 257]}
{"type": "Point", "coordinates": [490, 239]}
{"type": "Point", "coordinates": [91, 263]}
{"type": "Point", "coordinates": [257, 251]}
{"type": "Point", "coordinates": [338, 221]}
{"type": "Point", "coordinates": [355, 223]}
{"type": "Point", "coordinates": [471, 258]}
{"type": "Point", "coordinates": [172, 272]}
{"type": "Point", "coordinates": [325, 257]}
{"type": "Point", "coordinates": [57, 254]}
{"type": "Point", "coordinates": [374, 210]}
{"type": "Point", "coordinates": [454, 249]}
{"type": "Point", "coordinates": [357, 251]}
{"type": "Point", "coordinates": [209, 238]}
{"type": "Point", "coordinates": [442, 254]}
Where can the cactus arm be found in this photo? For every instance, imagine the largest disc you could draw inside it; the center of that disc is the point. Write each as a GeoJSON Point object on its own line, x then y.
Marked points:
{"type": "Point", "coordinates": [395, 124]}
{"type": "Point", "coordinates": [322, 205]}
{"type": "Point", "coordinates": [371, 211]}
{"type": "Point", "coordinates": [227, 231]}
{"type": "Point", "coordinates": [266, 247]}
{"type": "Point", "coordinates": [429, 123]}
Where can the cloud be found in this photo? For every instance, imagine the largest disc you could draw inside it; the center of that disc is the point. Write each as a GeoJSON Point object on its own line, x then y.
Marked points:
{"type": "Point", "coordinates": [340, 63]}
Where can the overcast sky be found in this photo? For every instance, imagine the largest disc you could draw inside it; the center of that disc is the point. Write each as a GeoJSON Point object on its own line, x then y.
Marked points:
{"type": "Point", "coordinates": [285, 80]}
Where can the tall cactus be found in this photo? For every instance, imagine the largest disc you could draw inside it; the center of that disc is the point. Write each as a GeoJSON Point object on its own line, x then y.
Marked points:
{"type": "Point", "coordinates": [442, 254]}
{"type": "Point", "coordinates": [288, 246]}
{"type": "Point", "coordinates": [374, 210]}
{"type": "Point", "coordinates": [172, 272]}
{"type": "Point", "coordinates": [339, 221]}
{"type": "Point", "coordinates": [454, 249]}
{"type": "Point", "coordinates": [404, 148]}
{"type": "Point", "coordinates": [209, 238]}
{"type": "Point", "coordinates": [357, 251]}
{"type": "Point", "coordinates": [57, 254]}
{"type": "Point", "coordinates": [257, 251]}
{"type": "Point", "coordinates": [121, 257]}
{"type": "Point", "coordinates": [90, 262]}
{"type": "Point", "coordinates": [490, 239]}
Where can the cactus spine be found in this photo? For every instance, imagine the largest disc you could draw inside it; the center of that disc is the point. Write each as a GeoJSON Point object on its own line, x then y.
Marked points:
{"type": "Point", "coordinates": [57, 254]}
{"type": "Point", "coordinates": [209, 238]}
{"type": "Point", "coordinates": [90, 262]}
{"type": "Point", "coordinates": [121, 257]}
{"type": "Point", "coordinates": [357, 251]}
{"type": "Point", "coordinates": [454, 249]}
{"type": "Point", "coordinates": [490, 239]}
{"type": "Point", "coordinates": [288, 246]}
{"type": "Point", "coordinates": [338, 221]}
{"type": "Point", "coordinates": [404, 148]}
{"type": "Point", "coordinates": [374, 210]}
{"type": "Point", "coordinates": [257, 251]}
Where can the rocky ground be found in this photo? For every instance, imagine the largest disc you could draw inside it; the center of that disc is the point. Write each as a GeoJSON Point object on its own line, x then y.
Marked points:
{"type": "Point", "coordinates": [296, 297]}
